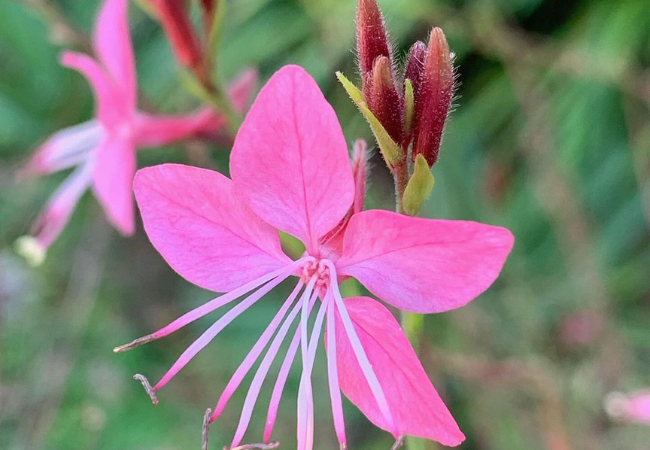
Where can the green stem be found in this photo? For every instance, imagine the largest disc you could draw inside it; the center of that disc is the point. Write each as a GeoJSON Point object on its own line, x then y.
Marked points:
{"type": "Point", "coordinates": [215, 95]}
{"type": "Point", "coordinates": [223, 103]}
{"type": "Point", "coordinates": [401, 174]}
{"type": "Point", "coordinates": [411, 322]}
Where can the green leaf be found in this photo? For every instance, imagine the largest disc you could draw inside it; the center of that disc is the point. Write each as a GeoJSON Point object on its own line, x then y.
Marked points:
{"type": "Point", "coordinates": [419, 187]}
{"type": "Point", "coordinates": [389, 149]}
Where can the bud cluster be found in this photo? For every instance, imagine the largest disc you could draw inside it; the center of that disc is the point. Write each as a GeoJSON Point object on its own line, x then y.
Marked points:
{"type": "Point", "coordinates": [412, 108]}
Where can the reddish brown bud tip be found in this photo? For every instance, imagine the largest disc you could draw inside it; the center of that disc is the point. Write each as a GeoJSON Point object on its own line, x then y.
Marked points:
{"type": "Point", "coordinates": [372, 39]}
{"type": "Point", "coordinates": [383, 99]}
{"type": "Point", "coordinates": [176, 23]}
{"type": "Point", "coordinates": [434, 98]}
{"type": "Point", "coordinates": [208, 9]}
{"type": "Point", "coordinates": [209, 6]}
{"type": "Point", "coordinates": [414, 70]}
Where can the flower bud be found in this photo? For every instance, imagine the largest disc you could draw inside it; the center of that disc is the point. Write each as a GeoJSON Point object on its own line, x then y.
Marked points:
{"type": "Point", "coordinates": [383, 99]}
{"type": "Point", "coordinates": [359, 171]}
{"type": "Point", "coordinates": [177, 26]}
{"type": "Point", "coordinates": [372, 40]}
{"type": "Point", "coordinates": [433, 98]}
{"type": "Point", "coordinates": [209, 7]}
{"type": "Point", "coordinates": [209, 10]}
{"type": "Point", "coordinates": [414, 70]}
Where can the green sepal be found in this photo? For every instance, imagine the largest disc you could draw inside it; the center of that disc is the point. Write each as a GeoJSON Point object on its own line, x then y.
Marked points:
{"type": "Point", "coordinates": [409, 105]}
{"type": "Point", "coordinates": [419, 187]}
{"type": "Point", "coordinates": [389, 149]}
{"type": "Point", "coordinates": [214, 34]}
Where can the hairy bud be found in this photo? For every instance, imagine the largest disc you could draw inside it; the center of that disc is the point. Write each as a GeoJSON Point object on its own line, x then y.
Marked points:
{"type": "Point", "coordinates": [383, 99]}
{"type": "Point", "coordinates": [433, 98]}
{"type": "Point", "coordinates": [372, 39]}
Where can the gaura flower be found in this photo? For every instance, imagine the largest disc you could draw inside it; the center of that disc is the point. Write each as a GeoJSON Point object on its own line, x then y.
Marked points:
{"type": "Point", "coordinates": [290, 171]}
{"type": "Point", "coordinates": [102, 150]}
{"type": "Point", "coordinates": [632, 407]}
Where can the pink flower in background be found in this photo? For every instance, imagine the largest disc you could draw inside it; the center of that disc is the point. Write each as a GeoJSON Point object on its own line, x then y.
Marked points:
{"type": "Point", "coordinates": [632, 407]}
{"type": "Point", "coordinates": [102, 150]}
{"type": "Point", "coordinates": [291, 172]}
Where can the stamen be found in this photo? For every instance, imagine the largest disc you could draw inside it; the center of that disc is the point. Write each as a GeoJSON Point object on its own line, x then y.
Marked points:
{"type": "Point", "coordinates": [206, 427]}
{"type": "Point", "coordinates": [66, 148]}
{"type": "Point", "coordinates": [216, 328]}
{"type": "Point", "coordinates": [147, 387]}
{"type": "Point", "coordinates": [305, 394]}
{"type": "Point", "coordinates": [268, 446]}
{"type": "Point", "coordinates": [281, 381]}
{"type": "Point", "coordinates": [359, 352]}
{"type": "Point", "coordinates": [398, 443]}
{"type": "Point", "coordinates": [58, 210]}
{"type": "Point", "coordinates": [332, 374]}
{"type": "Point", "coordinates": [189, 317]}
{"type": "Point", "coordinates": [252, 356]}
{"type": "Point", "coordinates": [262, 371]}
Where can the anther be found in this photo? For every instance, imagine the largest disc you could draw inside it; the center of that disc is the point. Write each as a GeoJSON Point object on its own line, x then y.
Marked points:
{"type": "Point", "coordinates": [269, 446]}
{"type": "Point", "coordinates": [206, 427]}
{"type": "Point", "coordinates": [136, 343]}
{"type": "Point", "coordinates": [147, 387]}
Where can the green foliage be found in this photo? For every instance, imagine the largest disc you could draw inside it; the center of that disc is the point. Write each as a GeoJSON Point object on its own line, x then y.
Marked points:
{"type": "Point", "coordinates": [549, 138]}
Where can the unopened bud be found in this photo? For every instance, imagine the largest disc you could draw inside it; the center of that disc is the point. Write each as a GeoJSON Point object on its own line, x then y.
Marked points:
{"type": "Point", "coordinates": [383, 99]}
{"type": "Point", "coordinates": [372, 39]}
{"type": "Point", "coordinates": [359, 172]}
{"type": "Point", "coordinates": [433, 98]}
{"type": "Point", "coordinates": [209, 7]}
{"type": "Point", "coordinates": [414, 70]}
{"type": "Point", "coordinates": [176, 23]}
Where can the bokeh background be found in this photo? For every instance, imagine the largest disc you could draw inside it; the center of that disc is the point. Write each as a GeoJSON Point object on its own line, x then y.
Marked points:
{"type": "Point", "coordinates": [550, 138]}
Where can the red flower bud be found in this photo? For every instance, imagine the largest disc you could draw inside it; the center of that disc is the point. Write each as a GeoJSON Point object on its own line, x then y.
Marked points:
{"type": "Point", "coordinates": [414, 70]}
{"type": "Point", "coordinates": [433, 99]}
{"type": "Point", "coordinates": [372, 40]}
{"type": "Point", "coordinates": [383, 99]}
{"type": "Point", "coordinates": [177, 26]}
{"type": "Point", "coordinates": [208, 7]}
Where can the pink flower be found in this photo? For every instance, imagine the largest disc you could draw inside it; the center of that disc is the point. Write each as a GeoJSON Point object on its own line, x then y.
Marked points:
{"type": "Point", "coordinates": [102, 150]}
{"type": "Point", "coordinates": [633, 407]}
{"type": "Point", "coordinates": [291, 172]}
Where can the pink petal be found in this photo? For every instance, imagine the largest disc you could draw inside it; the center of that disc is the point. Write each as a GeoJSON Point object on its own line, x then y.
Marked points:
{"type": "Point", "coordinates": [416, 407]}
{"type": "Point", "coordinates": [157, 130]}
{"type": "Point", "coordinates": [66, 148]}
{"type": "Point", "coordinates": [112, 44]}
{"type": "Point", "coordinates": [109, 109]}
{"type": "Point", "coordinates": [290, 160]}
{"type": "Point", "coordinates": [241, 89]}
{"type": "Point", "coordinates": [59, 208]}
{"type": "Point", "coordinates": [639, 407]}
{"type": "Point", "coordinates": [423, 265]}
{"type": "Point", "coordinates": [632, 407]}
{"type": "Point", "coordinates": [112, 179]}
{"type": "Point", "coordinates": [203, 230]}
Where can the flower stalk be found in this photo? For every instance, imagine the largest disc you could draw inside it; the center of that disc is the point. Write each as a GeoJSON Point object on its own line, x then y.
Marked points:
{"type": "Point", "coordinates": [408, 122]}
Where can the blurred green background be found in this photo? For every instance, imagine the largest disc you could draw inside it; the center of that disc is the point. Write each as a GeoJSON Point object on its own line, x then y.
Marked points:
{"type": "Point", "coordinates": [550, 138]}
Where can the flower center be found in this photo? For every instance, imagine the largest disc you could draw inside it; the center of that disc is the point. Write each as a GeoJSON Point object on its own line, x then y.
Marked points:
{"type": "Point", "coordinates": [125, 131]}
{"type": "Point", "coordinates": [318, 269]}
